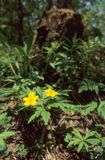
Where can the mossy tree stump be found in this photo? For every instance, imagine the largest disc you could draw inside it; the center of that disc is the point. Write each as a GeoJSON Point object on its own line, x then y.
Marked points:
{"type": "Point", "coordinates": [58, 23]}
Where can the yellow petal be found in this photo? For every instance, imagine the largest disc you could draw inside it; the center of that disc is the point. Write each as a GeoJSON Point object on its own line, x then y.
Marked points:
{"type": "Point", "coordinates": [36, 97]}
{"type": "Point", "coordinates": [30, 100]}
{"type": "Point", "coordinates": [25, 98]}
{"type": "Point", "coordinates": [33, 103]}
{"type": "Point", "coordinates": [31, 94]}
{"type": "Point", "coordinates": [26, 103]}
{"type": "Point", "coordinates": [53, 94]}
{"type": "Point", "coordinates": [50, 92]}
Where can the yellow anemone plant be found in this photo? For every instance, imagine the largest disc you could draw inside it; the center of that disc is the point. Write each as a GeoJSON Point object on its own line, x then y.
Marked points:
{"type": "Point", "coordinates": [31, 99]}
{"type": "Point", "coordinates": [50, 92]}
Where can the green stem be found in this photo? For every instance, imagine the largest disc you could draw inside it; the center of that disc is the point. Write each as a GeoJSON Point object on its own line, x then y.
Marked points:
{"type": "Point", "coordinates": [44, 129]}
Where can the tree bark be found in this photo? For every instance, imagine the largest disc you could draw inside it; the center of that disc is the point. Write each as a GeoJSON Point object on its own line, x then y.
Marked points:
{"type": "Point", "coordinates": [49, 4]}
{"type": "Point", "coordinates": [59, 23]}
{"type": "Point", "coordinates": [63, 3]}
{"type": "Point", "coordinates": [20, 10]}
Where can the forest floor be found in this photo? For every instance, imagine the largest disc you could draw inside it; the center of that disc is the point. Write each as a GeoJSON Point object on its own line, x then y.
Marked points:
{"type": "Point", "coordinates": [27, 133]}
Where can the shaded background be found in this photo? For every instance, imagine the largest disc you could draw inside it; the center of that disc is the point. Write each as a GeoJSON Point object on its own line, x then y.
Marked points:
{"type": "Point", "coordinates": [19, 18]}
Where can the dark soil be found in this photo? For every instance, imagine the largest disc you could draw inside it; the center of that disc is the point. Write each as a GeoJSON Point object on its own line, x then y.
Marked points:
{"type": "Point", "coordinates": [55, 147]}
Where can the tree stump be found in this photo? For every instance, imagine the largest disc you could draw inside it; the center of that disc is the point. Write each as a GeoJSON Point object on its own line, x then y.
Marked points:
{"type": "Point", "coordinates": [58, 23]}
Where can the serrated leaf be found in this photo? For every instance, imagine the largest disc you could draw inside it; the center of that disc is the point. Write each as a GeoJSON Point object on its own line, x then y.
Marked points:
{"type": "Point", "coordinates": [80, 147]}
{"type": "Point", "coordinates": [45, 116]}
{"type": "Point", "coordinates": [82, 89]}
{"type": "Point", "coordinates": [96, 88]}
{"type": "Point", "coordinates": [103, 142]}
{"type": "Point", "coordinates": [86, 146]}
{"type": "Point", "coordinates": [66, 107]}
{"type": "Point", "coordinates": [99, 149]}
{"type": "Point", "coordinates": [93, 141]}
{"type": "Point", "coordinates": [89, 134]}
{"type": "Point", "coordinates": [100, 125]}
{"type": "Point", "coordinates": [89, 108]}
{"type": "Point", "coordinates": [74, 142]}
{"type": "Point", "coordinates": [68, 138]}
{"type": "Point", "coordinates": [77, 133]}
{"type": "Point", "coordinates": [52, 65]}
{"type": "Point", "coordinates": [35, 115]}
{"type": "Point", "coordinates": [38, 91]}
{"type": "Point", "coordinates": [2, 142]}
{"type": "Point", "coordinates": [3, 116]}
{"type": "Point", "coordinates": [6, 134]}
{"type": "Point", "coordinates": [2, 146]}
{"type": "Point", "coordinates": [101, 109]}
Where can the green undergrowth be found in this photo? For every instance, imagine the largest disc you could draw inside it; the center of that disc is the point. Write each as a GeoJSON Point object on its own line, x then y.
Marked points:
{"type": "Point", "coordinates": [71, 84]}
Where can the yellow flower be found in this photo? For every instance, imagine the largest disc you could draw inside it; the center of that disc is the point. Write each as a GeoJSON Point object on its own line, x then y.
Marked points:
{"type": "Point", "coordinates": [50, 92]}
{"type": "Point", "coordinates": [31, 99]}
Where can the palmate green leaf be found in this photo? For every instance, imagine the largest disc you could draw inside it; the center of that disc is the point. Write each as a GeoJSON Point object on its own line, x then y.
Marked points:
{"type": "Point", "coordinates": [65, 106]}
{"type": "Point", "coordinates": [89, 85]}
{"type": "Point", "coordinates": [89, 108]}
{"type": "Point", "coordinates": [89, 134]}
{"type": "Point", "coordinates": [62, 55]}
{"type": "Point", "coordinates": [64, 92]}
{"type": "Point", "coordinates": [3, 117]}
{"type": "Point", "coordinates": [93, 141]}
{"type": "Point", "coordinates": [5, 92]}
{"type": "Point", "coordinates": [77, 134]}
{"type": "Point", "coordinates": [68, 138]}
{"type": "Point", "coordinates": [36, 114]}
{"type": "Point", "coordinates": [100, 125]}
{"type": "Point", "coordinates": [70, 144]}
{"type": "Point", "coordinates": [55, 105]}
{"type": "Point", "coordinates": [52, 65]}
{"type": "Point", "coordinates": [95, 88]}
{"type": "Point", "coordinates": [80, 147]}
{"type": "Point", "coordinates": [38, 91]}
{"type": "Point", "coordinates": [2, 146]}
{"type": "Point", "coordinates": [6, 134]}
{"type": "Point", "coordinates": [2, 142]}
{"type": "Point", "coordinates": [3, 106]}
{"type": "Point", "coordinates": [99, 150]}
{"type": "Point", "coordinates": [74, 142]}
{"type": "Point", "coordinates": [49, 51]}
{"type": "Point", "coordinates": [82, 89]}
{"type": "Point", "coordinates": [45, 116]}
{"type": "Point", "coordinates": [86, 146]}
{"type": "Point", "coordinates": [101, 109]}
{"type": "Point", "coordinates": [22, 150]}
{"type": "Point", "coordinates": [103, 142]}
